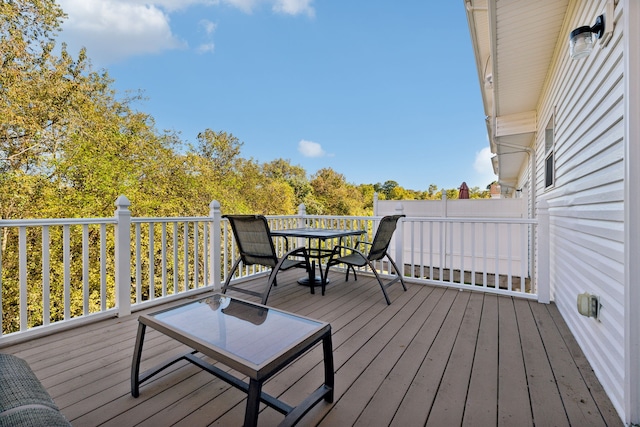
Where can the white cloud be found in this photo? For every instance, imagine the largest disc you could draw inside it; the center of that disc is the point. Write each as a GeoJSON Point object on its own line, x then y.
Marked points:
{"type": "Point", "coordinates": [484, 168]}
{"type": "Point", "coordinates": [294, 7]}
{"type": "Point", "coordinates": [206, 48]}
{"type": "Point", "coordinates": [288, 7]}
{"type": "Point", "coordinates": [112, 30]}
{"type": "Point", "coordinates": [310, 149]}
{"type": "Point", "coordinates": [209, 27]}
{"type": "Point", "coordinates": [246, 6]}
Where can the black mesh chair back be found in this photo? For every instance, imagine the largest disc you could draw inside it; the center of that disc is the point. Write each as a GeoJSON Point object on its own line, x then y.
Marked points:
{"type": "Point", "coordinates": [364, 254]}
{"type": "Point", "coordinates": [255, 246]}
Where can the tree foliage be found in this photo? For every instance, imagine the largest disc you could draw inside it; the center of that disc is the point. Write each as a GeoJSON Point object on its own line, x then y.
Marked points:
{"type": "Point", "coordinates": [70, 145]}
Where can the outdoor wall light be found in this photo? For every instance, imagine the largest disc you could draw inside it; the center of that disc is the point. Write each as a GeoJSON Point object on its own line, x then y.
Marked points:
{"type": "Point", "coordinates": [589, 305]}
{"type": "Point", "coordinates": [582, 39]}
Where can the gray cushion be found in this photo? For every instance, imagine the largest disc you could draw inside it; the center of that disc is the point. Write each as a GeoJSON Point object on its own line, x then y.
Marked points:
{"type": "Point", "coordinates": [23, 400]}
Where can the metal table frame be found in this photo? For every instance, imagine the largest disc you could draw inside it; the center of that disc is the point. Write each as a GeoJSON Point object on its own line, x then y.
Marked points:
{"type": "Point", "coordinates": [257, 373]}
{"type": "Point", "coordinates": [316, 253]}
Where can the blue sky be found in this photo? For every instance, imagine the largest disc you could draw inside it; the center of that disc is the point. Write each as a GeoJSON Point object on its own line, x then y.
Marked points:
{"type": "Point", "coordinates": [376, 90]}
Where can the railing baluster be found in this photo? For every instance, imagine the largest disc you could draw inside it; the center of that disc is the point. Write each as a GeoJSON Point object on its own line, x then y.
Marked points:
{"type": "Point", "coordinates": [473, 254]}
{"type": "Point", "coordinates": [496, 277]}
{"type": "Point", "coordinates": [451, 263]}
{"type": "Point", "coordinates": [176, 261]}
{"type": "Point", "coordinates": [485, 279]}
{"type": "Point", "coordinates": [509, 259]}
{"type": "Point", "coordinates": [46, 276]}
{"type": "Point", "coordinates": [85, 268]}
{"type": "Point", "coordinates": [152, 287]}
{"type": "Point", "coordinates": [205, 254]}
{"type": "Point", "coordinates": [103, 267]}
{"type": "Point", "coordinates": [22, 239]}
{"type": "Point", "coordinates": [196, 256]}
{"type": "Point", "coordinates": [523, 255]}
{"type": "Point", "coordinates": [462, 253]}
{"type": "Point", "coordinates": [431, 261]}
{"type": "Point", "coordinates": [66, 256]}
{"type": "Point", "coordinates": [164, 258]}
{"type": "Point", "coordinates": [185, 253]}
{"type": "Point", "coordinates": [138, 229]}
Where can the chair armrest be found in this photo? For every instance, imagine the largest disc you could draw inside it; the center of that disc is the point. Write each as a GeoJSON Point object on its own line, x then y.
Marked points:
{"type": "Point", "coordinates": [337, 250]}
{"type": "Point", "coordinates": [300, 249]}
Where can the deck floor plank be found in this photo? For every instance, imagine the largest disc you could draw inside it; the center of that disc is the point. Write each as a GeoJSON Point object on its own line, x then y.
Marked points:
{"type": "Point", "coordinates": [448, 407]}
{"type": "Point", "coordinates": [481, 406]}
{"type": "Point", "coordinates": [606, 408]}
{"type": "Point", "coordinates": [578, 401]}
{"type": "Point", "coordinates": [368, 367]}
{"type": "Point", "coordinates": [418, 400]}
{"type": "Point", "coordinates": [387, 398]}
{"type": "Point", "coordinates": [546, 402]}
{"type": "Point", "coordinates": [514, 407]}
{"type": "Point", "coordinates": [435, 356]}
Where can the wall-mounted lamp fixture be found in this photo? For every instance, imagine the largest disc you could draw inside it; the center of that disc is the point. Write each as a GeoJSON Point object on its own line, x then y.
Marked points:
{"type": "Point", "coordinates": [582, 39]}
{"type": "Point", "coordinates": [589, 305]}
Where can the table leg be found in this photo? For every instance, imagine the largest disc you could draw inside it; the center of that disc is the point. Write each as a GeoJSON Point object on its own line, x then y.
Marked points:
{"type": "Point", "coordinates": [327, 348]}
{"type": "Point", "coordinates": [135, 364]}
{"type": "Point", "coordinates": [312, 277]}
{"type": "Point", "coordinates": [253, 403]}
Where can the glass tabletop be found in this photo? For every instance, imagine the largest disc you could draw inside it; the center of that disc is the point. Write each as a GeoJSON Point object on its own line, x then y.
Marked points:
{"type": "Point", "coordinates": [248, 331]}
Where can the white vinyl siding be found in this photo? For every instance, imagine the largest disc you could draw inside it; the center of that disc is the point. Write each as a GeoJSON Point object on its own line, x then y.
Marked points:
{"type": "Point", "coordinates": [586, 202]}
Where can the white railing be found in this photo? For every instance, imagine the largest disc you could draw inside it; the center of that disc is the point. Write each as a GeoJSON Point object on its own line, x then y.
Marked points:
{"type": "Point", "coordinates": [56, 273]}
{"type": "Point", "coordinates": [492, 255]}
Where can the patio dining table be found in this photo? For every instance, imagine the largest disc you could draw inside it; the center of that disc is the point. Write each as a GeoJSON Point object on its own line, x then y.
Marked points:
{"type": "Point", "coordinates": [317, 252]}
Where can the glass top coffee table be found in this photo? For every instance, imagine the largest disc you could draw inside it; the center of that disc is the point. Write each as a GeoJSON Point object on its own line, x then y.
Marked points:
{"type": "Point", "coordinates": [255, 340]}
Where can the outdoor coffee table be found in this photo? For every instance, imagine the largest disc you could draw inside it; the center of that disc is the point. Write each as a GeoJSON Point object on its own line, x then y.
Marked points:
{"type": "Point", "coordinates": [255, 340]}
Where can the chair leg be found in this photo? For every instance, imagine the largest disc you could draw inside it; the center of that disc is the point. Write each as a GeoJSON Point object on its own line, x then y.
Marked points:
{"type": "Point", "coordinates": [398, 272]}
{"type": "Point", "coordinates": [355, 277]}
{"type": "Point", "coordinates": [384, 291]}
{"type": "Point", "coordinates": [323, 285]}
{"type": "Point", "coordinates": [230, 275]}
{"type": "Point", "coordinates": [272, 280]}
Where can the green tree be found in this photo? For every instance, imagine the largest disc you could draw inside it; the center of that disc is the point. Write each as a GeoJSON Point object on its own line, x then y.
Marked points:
{"type": "Point", "coordinates": [294, 176]}
{"type": "Point", "coordinates": [334, 195]}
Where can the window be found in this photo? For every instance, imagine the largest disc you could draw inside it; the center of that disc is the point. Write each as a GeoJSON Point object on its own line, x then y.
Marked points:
{"type": "Point", "coordinates": [549, 166]}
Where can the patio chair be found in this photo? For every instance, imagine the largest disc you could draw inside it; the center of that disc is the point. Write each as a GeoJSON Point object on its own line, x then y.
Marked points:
{"type": "Point", "coordinates": [255, 244]}
{"type": "Point", "coordinates": [377, 250]}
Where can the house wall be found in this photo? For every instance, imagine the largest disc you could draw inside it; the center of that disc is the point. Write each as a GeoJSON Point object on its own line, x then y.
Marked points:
{"type": "Point", "coordinates": [586, 202]}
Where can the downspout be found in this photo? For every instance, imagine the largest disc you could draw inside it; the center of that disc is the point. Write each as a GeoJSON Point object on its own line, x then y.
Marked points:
{"type": "Point", "coordinates": [529, 151]}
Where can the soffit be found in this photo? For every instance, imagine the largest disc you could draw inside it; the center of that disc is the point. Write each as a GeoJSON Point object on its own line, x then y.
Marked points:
{"type": "Point", "coordinates": [514, 43]}
{"type": "Point", "coordinates": [526, 34]}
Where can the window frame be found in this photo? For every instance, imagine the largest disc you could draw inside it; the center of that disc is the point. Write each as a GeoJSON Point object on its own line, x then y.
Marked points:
{"type": "Point", "coordinates": [549, 151]}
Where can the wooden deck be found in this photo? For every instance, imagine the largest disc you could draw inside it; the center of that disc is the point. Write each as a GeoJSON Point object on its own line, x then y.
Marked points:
{"type": "Point", "coordinates": [435, 356]}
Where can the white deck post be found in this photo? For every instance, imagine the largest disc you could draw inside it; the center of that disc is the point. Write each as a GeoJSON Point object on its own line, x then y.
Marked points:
{"type": "Point", "coordinates": [375, 204]}
{"type": "Point", "coordinates": [543, 281]}
{"type": "Point", "coordinates": [215, 246]}
{"type": "Point", "coordinates": [399, 236]}
{"type": "Point", "coordinates": [123, 256]}
{"type": "Point", "coordinates": [302, 212]}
